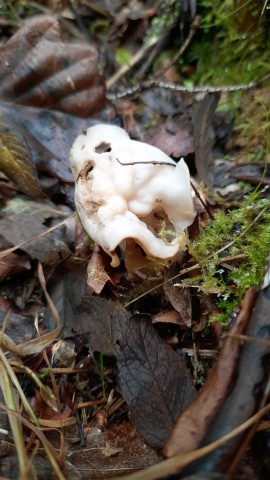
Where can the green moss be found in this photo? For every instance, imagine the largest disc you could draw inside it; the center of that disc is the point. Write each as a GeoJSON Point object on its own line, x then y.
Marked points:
{"type": "Point", "coordinates": [232, 45]}
{"type": "Point", "coordinates": [238, 231]}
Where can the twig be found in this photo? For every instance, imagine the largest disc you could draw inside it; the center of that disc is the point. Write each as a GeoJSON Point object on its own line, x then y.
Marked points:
{"type": "Point", "coordinates": [179, 88]}
{"type": "Point", "coordinates": [125, 68]}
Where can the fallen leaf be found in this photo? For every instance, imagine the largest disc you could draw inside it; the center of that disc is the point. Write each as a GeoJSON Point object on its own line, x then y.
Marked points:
{"type": "Point", "coordinates": [245, 396]}
{"type": "Point", "coordinates": [171, 316]}
{"type": "Point", "coordinates": [38, 69]}
{"type": "Point", "coordinates": [193, 423]}
{"type": "Point", "coordinates": [66, 286]}
{"type": "Point", "coordinates": [174, 137]}
{"type": "Point", "coordinates": [19, 228]}
{"type": "Point", "coordinates": [179, 298]}
{"type": "Point", "coordinates": [97, 276]}
{"type": "Point", "coordinates": [40, 210]}
{"type": "Point", "coordinates": [155, 381]}
{"type": "Point", "coordinates": [97, 320]}
{"type": "Point", "coordinates": [13, 264]}
{"type": "Point", "coordinates": [16, 160]}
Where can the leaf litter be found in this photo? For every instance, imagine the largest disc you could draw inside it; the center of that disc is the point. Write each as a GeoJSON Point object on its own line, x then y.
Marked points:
{"type": "Point", "coordinates": [115, 379]}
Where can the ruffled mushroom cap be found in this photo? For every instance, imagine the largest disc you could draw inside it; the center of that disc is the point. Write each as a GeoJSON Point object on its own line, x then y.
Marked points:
{"type": "Point", "coordinates": [130, 190]}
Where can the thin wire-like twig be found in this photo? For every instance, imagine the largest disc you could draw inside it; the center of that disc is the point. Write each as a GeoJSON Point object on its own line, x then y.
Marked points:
{"type": "Point", "coordinates": [180, 88]}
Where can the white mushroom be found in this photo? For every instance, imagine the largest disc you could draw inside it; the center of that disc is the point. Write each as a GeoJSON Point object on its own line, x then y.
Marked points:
{"type": "Point", "coordinates": [130, 190]}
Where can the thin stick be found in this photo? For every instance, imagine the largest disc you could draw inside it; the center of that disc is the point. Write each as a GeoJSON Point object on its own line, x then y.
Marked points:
{"type": "Point", "coordinates": [179, 88]}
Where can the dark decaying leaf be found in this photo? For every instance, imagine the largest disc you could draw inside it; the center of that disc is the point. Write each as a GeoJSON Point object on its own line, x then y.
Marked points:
{"type": "Point", "coordinates": [19, 228]}
{"type": "Point", "coordinates": [247, 393]}
{"type": "Point", "coordinates": [193, 423]}
{"type": "Point", "coordinates": [37, 69]}
{"type": "Point", "coordinates": [174, 137]}
{"type": "Point", "coordinates": [179, 297]}
{"type": "Point", "coordinates": [16, 159]}
{"type": "Point", "coordinates": [98, 320]}
{"type": "Point", "coordinates": [204, 136]}
{"type": "Point", "coordinates": [19, 328]}
{"type": "Point", "coordinates": [154, 380]}
{"type": "Point", "coordinates": [13, 264]}
{"type": "Point", "coordinates": [49, 136]}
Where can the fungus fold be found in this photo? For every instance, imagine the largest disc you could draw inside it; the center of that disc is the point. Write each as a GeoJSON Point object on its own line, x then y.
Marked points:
{"type": "Point", "coordinates": [130, 194]}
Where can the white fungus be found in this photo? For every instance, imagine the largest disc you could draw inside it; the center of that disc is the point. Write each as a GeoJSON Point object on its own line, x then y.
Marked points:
{"type": "Point", "coordinates": [130, 190]}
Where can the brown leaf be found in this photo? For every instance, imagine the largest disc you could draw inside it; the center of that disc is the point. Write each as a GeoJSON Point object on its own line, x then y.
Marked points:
{"type": "Point", "coordinates": [192, 424]}
{"type": "Point", "coordinates": [13, 264]}
{"type": "Point", "coordinates": [19, 228]}
{"type": "Point", "coordinates": [170, 316]}
{"type": "Point", "coordinates": [38, 69]}
{"type": "Point", "coordinates": [174, 137]}
{"type": "Point", "coordinates": [179, 298]}
{"type": "Point", "coordinates": [16, 159]}
{"type": "Point", "coordinates": [154, 380]}
{"type": "Point", "coordinates": [97, 276]}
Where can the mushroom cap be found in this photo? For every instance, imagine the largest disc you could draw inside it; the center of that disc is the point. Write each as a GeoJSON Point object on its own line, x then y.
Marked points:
{"type": "Point", "coordinates": [127, 189]}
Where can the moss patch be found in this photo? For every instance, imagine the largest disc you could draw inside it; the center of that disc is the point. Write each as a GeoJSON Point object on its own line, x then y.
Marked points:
{"type": "Point", "coordinates": [238, 231]}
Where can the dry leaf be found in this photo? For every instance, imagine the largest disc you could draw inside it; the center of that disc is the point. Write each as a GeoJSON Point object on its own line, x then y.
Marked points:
{"type": "Point", "coordinates": [170, 316]}
{"type": "Point", "coordinates": [97, 276]}
{"type": "Point", "coordinates": [38, 69]}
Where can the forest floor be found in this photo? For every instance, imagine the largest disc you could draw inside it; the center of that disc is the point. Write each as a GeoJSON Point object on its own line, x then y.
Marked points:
{"type": "Point", "coordinates": [153, 368]}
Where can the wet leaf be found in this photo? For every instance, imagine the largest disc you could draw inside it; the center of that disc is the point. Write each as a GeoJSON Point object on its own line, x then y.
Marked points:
{"type": "Point", "coordinates": [179, 297]}
{"type": "Point", "coordinates": [154, 379]}
{"type": "Point", "coordinates": [193, 424]}
{"type": "Point", "coordinates": [38, 69]}
{"type": "Point", "coordinates": [174, 137]}
{"type": "Point", "coordinates": [16, 160]}
{"type": "Point", "coordinates": [66, 287]}
{"type": "Point", "coordinates": [19, 228]}
{"type": "Point", "coordinates": [246, 392]}
{"type": "Point", "coordinates": [40, 210]}
{"type": "Point", "coordinates": [13, 264]}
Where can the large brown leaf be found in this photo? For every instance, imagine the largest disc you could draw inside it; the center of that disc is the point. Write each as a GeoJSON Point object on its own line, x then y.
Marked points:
{"type": "Point", "coordinates": [37, 69]}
